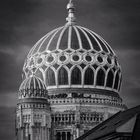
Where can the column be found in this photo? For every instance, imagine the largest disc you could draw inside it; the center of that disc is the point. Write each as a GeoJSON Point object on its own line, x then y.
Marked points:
{"type": "Point", "coordinates": [48, 133]}
{"type": "Point", "coordinates": [77, 132]}
{"type": "Point", "coordinates": [45, 133]}
{"type": "Point", "coordinates": [21, 133]}
{"type": "Point", "coordinates": [74, 134]}
{"type": "Point", "coordinates": [60, 135]}
{"type": "Point", "coordinates": [32, 134]}
{"type": "Point", "coordinates": [66, 135]}
{"type": "Point", "coordinates": [29, 134]}
{"type": "Point", "coordinates": [61, 118]}
{"type": "Point", "coordinates": [41, 131]}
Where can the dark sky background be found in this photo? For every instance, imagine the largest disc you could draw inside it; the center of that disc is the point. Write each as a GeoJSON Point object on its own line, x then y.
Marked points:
{"type": "Point", "coordinates": [23, 22]}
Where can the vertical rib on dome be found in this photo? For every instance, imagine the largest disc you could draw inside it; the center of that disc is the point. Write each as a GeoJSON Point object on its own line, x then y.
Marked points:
{"type": "Point", "coordinates": [78, 36]}
{"type": "Point", "coordinates": [74, 40]}
{"type": "Point", "coordinates": [89, 44]}
{"type": "Point", "coordinates": [63, 39]}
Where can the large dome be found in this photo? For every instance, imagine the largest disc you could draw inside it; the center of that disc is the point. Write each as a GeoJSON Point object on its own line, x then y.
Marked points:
{"type": "Point", "coordinates": [74, 56]}
{"type": "Point", "coordinates": [77, 72]}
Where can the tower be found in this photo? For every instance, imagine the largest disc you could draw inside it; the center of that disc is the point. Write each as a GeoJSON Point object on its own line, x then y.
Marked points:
{"type": "Point", "coordinates": [82, 76]}
{"type": "Point", "coordinates": [33, 120]}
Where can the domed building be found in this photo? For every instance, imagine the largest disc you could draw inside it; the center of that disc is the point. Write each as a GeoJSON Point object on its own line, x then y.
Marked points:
{"type": "Point", "coordinates": [81, 74]}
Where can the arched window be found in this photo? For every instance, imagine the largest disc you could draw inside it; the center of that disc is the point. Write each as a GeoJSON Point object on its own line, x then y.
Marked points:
{"type": "Point", "coordinates": [62, 76]}
{"type": "Point", "coordinates": [100, 78]}
{"type": "Point", "coordinates": [89, 77]}
{"type": "Point", "coordinates": [110, 77]}
{"type": "Point", "coordinates": [58, 136]}
{"type": "Point", "coordinates": [76, 76]}
{"type": "Point", "coordinates": [116, 81]}
{"type": "Point", "coordinates": [50, 77]}
{"type": "Point", "coordinates": [63, 135]}
{"type": "Point", "coordinates": [68, 136]}
{"type": "Point", "coordinates": [38, 73]}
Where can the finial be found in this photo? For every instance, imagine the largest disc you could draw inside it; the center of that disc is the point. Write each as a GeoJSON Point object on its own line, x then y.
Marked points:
{"type": "Point", "coordinates": [71, 10]}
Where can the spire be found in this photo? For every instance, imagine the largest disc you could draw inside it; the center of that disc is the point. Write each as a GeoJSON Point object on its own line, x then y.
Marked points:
{"type": "Point", "coordinates": [71, 10]}
{"type": "Point", "coordinates": [32, 73]}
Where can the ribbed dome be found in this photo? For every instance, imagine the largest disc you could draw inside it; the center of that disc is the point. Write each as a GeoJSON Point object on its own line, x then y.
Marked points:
{"type": "Point", "coordinates": [70, 70]}
{"type": "Point", "coordinates": [74, 56]}
{"type": "Point", "coordinates": [71, 38]}
{"type": "Point", "coordinates": [32, 87]}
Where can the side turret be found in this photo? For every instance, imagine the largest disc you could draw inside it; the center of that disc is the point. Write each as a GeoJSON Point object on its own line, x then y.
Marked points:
{"type": "Point", "coordinates": [33, 119]}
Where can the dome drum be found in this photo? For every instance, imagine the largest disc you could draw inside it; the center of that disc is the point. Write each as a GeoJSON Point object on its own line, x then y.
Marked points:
{"type": "Point", "coordinates": [85, 91]}
{"type": "Point", "coordinates": [33, 102]}
{"type": "Point", "coordinates": [95, 97]}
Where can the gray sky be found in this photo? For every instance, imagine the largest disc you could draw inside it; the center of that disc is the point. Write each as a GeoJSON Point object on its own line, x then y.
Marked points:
{"type": "Point", "coordinates": [24, 22]}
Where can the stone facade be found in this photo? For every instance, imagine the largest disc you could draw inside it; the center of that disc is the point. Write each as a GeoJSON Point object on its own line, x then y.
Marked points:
{"type": "Point", "coordinates": [76, 111]}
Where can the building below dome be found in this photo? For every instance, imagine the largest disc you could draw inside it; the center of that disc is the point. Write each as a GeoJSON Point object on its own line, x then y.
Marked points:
{"type": "Point", "coordinates": [73, 72]}
{"type": "Point", "coordinates": [124, 125]}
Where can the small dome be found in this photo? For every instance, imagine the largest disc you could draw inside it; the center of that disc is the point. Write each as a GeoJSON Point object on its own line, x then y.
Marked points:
{"type": "Point", "coordinates": [32, 87]}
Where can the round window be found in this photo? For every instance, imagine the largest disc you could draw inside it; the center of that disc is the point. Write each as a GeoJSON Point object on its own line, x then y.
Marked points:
{"type": "Point", "coordinates": [62, 58]}
{"type": "Point", "coordinates": [50, 59]}
{"type": "Point", "coordinates": [75, 57]}
{"type": "Point", "coordinates": [88, 58]}
{"type": "Point", "coordinates": [39, 60]}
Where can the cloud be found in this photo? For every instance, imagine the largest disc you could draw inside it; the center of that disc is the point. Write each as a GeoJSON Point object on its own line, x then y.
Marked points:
{"type": "Point", "coordinates": [8, 99]}
{"type": "Point", "coordinates": [21, 54]}
{"type": "Point", "coordinates": [8, 51]}
{"type": "Point", "coordinates": [131, 97]}
{"type": "Point", "coordinates": [129, 59]}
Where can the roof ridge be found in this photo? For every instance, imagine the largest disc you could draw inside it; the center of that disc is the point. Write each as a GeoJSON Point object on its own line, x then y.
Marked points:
{"type": "Point", "coordinates": [132, 112]}
{"type": "Point", "coordinates": [98, 126]}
